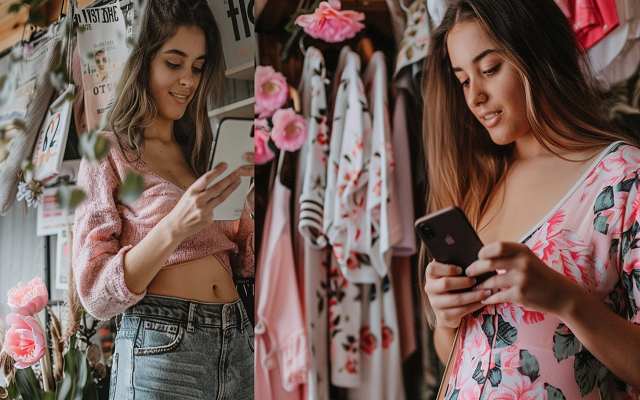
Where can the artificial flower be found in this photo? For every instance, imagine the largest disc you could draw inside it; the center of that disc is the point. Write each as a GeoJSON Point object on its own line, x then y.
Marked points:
{"type": "Point", "coordinates": [330, 24]}
{"type": "Point", "coordinates": [368, 342]}
{"type": "Point", "coordinates": [31, 192]}
{"type": "Point", "coordinates": [289, 129]}
{"type": "Point", "coordinates": [24, 341]}
{"type": "Point", "coordinates": [263, 154]}
{"type": "Point", "coordinates": [28, 300]}
{"type": "Point", "coordinates": [271, 91]}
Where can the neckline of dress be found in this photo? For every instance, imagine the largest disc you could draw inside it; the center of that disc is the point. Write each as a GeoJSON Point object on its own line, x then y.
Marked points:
{"type": "Point", "coordinates": [571, 191]}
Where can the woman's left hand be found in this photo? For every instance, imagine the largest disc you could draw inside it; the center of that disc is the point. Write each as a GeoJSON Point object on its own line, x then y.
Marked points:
{"type": "Point", "coordinates": [526, 280]}
{"type": "Point", "coordinates": [251, 195]}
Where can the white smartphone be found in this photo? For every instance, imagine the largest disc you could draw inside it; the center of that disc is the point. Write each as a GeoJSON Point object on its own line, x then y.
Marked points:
{"type": "Point", "coordinates": [233, 140]}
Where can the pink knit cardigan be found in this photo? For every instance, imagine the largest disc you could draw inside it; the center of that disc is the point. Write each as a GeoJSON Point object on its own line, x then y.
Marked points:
{"type": "Point", "coordinates": [105, 229]}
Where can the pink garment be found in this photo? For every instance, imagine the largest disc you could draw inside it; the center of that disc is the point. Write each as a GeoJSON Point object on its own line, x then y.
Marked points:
{"type": "Point", "coordinates": [105, 229]}
{"type": "Point", "coordinates": [591, 19]}
{"type": "Point", "coordinates": [591, 237]}
{"type": "Point", "coordinates": [282, 352]}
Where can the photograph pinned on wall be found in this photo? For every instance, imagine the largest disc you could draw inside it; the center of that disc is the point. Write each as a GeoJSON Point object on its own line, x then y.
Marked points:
{"type": "Point", "coordinates": [50, 218]}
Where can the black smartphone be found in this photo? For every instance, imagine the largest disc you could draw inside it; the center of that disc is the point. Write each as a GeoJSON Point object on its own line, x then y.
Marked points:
{"type": "Point", "coordinates": [451, 239]}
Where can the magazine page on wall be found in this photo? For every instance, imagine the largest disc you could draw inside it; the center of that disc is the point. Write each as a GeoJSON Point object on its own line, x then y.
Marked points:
{"type": "Point", "coordinates": [103, 53]}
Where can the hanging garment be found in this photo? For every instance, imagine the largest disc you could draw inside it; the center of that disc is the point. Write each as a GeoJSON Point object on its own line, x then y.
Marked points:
{"type": "Point", "coordinates": [345, 213]}
{"type": "Point", "coordinates": [402, 175]}
{"type": "Point", "coordinates": [103, 53]}
{"type": "Point", "coordinates": [593, 20]}
{"type": "Point", "coordinates": [415, 41]}
{"type": "Point", "coordinates": [282, 353]}
{"type": "Point", "coordinates": [590, 236]}
{"type": "Point", "coordinates": [379, 345]}
{"type": "Point", "coordinates": [29, 103]}
{"type": "Point", "coordinates": [382, 212]}
{"type": "Point", "coordinates": [315, 254]}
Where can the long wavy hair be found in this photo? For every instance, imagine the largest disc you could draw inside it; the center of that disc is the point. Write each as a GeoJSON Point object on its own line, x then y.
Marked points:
{"type": "Point", "coordinates": [134, 108]}
{"type": "Point", "coordinates": [563, 107]}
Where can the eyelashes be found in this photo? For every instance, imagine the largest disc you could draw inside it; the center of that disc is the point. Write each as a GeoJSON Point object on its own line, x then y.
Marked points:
{"type": "Point", "coordinates": [176, 66]}
{"type": "Point", "coordinates": [490, 72]}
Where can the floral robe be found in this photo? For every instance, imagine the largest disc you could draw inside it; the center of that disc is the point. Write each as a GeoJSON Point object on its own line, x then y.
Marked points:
{"type": "Point", "coordinates": [591, 236]}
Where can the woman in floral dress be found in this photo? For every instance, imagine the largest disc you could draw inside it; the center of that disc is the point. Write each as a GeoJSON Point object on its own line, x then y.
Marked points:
{"type": "Point", "coordinates": [515, 136]}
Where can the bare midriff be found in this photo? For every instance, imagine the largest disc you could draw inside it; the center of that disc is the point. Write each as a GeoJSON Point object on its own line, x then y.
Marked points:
{"type": "Point", "coordinates": [204, 279]}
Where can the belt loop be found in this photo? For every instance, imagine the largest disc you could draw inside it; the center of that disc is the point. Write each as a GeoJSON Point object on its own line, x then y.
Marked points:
{"type": "Point", "coordinates": [118, 321]}
{"type": "Point", "coordinates": [241, 314]}
{"type": "Point", "coordinates": [192, 311]}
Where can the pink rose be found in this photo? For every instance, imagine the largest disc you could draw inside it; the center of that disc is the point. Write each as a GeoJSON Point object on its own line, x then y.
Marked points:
{"type": "Point", "coordinates": [330, 24]}
{"type": "Point", "coordinates": [24, 341]}
{"type": "Point", "coordinates": [271, 91]}
{"type": "Point", "coordinates": [350, 366]}
{"type": "Point", "coordinates": [289, 130]}
{"type": "Point", "coordinates": [263, 154]}
{"type": "Point", "coordinates": [28, 300]}
{"type": "Point", "coordinates": [368, 341]}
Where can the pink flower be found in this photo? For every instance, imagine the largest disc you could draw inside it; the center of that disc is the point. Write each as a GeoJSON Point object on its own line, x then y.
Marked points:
{"type": "Point", "coordinates": [368, 341]}
{"type": "Point", "coordinates": [24, 341]}
{"type": "Point", "coordinates": [350, 366]}
{"type": "Point", "coordinates": [289, 130]}
{"type": "Point", "coordinates": [271, 91]}
{"type": "Point", "coordinates": [330, 24]}
{"type": "Point", "coordinates": [28, 300]}
{"type": "Point", "coordinates": [263, 154]}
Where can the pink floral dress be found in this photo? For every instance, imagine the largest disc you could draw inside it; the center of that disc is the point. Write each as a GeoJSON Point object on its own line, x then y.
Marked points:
{"type": "Point", "coordinates": [591, 236]}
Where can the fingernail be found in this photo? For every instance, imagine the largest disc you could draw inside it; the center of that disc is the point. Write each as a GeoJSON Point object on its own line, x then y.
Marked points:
{"type": "Point", "coordinates": [223, 165]}
{"type": "Point", "coordinates": [487, 293]}
{"type": "Point", "coordinates": [459, 270]}
{"type": "Point", "coordinates": [468, 271]}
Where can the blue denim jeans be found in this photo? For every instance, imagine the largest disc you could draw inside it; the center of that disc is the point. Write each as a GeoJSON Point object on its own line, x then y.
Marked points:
{"type": "Point", "coordinates": [171, 348]}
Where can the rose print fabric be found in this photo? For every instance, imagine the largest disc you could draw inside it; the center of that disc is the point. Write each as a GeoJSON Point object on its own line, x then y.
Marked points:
{"type": "Point", "coordinates": [415, 40]}
{"type": "Point", "coordinates": [591, 236]}
{"type": "Point", "coordinates": [345, 207]}
{"type": "Point", "coordinates": [315, 253]}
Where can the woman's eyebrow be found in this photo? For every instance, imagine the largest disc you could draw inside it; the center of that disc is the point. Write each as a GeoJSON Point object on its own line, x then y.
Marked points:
{"type": "Point", "coordinates": [182, 54]}
{"type": "Point", "coordinates": [477, 58]}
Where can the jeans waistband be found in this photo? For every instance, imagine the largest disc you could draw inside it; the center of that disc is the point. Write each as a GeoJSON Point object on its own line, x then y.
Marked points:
{"type": "Point", "coordinates": [191, 312]}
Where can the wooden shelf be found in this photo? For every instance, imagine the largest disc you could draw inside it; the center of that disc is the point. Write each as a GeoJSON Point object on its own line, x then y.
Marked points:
{"type": "Point", "coordinates": [244, 71]}
{"type": "Point", "coordinates": [240, 109]}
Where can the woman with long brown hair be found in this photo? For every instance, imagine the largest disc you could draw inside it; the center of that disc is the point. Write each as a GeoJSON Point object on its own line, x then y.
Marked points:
{"type": "Point", "coordinates": [515, 136]}
{"type": "Point", "coordinates": [162, 261]}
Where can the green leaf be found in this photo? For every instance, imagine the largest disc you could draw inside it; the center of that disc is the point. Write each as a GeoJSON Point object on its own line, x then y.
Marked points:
{"type": "Point", "coordinates": [603, 384]}
{"type": "Point", "coordinates": [69, 199]}
{"type": "Point", "coordinates": [507, 334]}
{"type": "Point", "coordinates": [478, 374]}
{"type": "Point", "coordinates": [487, 327]}
{"type": "Point", "coordinates": [612, 302]}
{"type": "Point", "coordinates": [85, 387]}
{"type": "Point", "coordinates": [626, 186]}
{"type": "Point", "coordinates": [14, 393]}
{"type": "Point", "coordinates": [132, 188]}
{"type": "Point", "coordinates": [101, 147]}
{"type": "Point", "coordinates": [564, 344]}
{"type": "Point", "coordinates": [614, 248]}
{"type": "Point", "coordinates": [604, 201]}
{"type": "Point", "coordinates": [601, 224]}
{"type": "Point", "coordinates": [495, 376]}
{"type": "Point", "coordinates": [585, 371]}
{"type": "Point", "coordinates": [553, 393]}
{"type": "Point", "coordinates": [59, 77]}
{"type": "Point", "coordinates": [48, 395]}
{"type": "Point", "coordinates": [66, 386]}
{"type": "Point", "coordinates": [529, 365]}
{"type": "Point", "coordinates": [28, 384]}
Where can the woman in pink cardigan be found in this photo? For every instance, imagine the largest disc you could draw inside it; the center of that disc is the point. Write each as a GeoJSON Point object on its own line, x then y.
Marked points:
{"type": "Point", "coordinates": [162, 261]}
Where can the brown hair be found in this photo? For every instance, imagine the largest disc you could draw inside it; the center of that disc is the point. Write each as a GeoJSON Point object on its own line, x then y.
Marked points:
{"type": "Point", "coordinates": [135, 109]}
{"type": "Point", "coordinates": [563, 108]}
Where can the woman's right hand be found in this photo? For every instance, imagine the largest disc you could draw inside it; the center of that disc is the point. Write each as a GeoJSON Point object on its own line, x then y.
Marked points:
{"type": "Point", "coordinates": [195, 208]}
{"type": "Point", "coordinates": [449, 308]}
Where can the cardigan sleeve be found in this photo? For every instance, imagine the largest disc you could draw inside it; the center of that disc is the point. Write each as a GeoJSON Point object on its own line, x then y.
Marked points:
{"type": "Point", "coordinates": [98, 257]}
{"type": "Point", "coordinates": [243, 262]}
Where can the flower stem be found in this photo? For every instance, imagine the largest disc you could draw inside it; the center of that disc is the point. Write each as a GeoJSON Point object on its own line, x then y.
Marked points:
{"type": "Point", "coordinates": [45, 361]}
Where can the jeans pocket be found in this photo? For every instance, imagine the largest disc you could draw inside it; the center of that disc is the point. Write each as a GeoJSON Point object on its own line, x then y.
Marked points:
{"type": "Point", "coordinates": [158, 337]}
{"type": "Point", "coordinates": [114, 377]}
{"type": "Point", "coordinates": [250, 335]}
